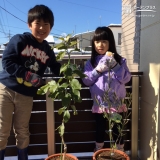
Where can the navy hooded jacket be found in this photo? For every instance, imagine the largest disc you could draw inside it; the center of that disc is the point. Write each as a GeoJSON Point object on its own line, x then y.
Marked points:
{"type": "Point", "coordinates": [24, 53]}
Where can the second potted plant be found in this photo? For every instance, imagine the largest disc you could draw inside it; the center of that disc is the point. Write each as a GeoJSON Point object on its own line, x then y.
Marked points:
{"type": "Point", "coordinates": [120, 119]}
{"type": "Point", "coordinates": [116, 113]}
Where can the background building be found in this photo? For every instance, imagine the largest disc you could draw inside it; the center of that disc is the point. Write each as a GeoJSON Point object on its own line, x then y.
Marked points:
{"type": "Point", "coordinates": [84, 39]}
{"type": "Point", "coordinates": [140, 45]}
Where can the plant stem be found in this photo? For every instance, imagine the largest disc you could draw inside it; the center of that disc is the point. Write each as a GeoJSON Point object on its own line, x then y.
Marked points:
{"type": "Point", "coordinates": [65, 148]}
{"type": "Point", "coordinates": [110, 133]}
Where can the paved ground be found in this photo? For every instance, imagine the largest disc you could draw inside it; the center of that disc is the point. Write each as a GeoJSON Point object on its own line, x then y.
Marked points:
{"type": "Point", "coordinates": [42, 157]}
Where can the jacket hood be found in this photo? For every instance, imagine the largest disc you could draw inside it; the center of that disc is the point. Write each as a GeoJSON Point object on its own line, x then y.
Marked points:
{"type": "Point", "coordinates": [29, 35]}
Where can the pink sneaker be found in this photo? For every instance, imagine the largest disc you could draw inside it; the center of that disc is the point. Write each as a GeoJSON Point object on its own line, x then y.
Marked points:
{"type": "Point", "coordinates": [120, 147]}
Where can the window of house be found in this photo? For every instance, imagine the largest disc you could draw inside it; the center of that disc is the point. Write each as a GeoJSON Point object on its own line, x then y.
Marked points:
{"type": "Point", "coordinates": [119, 38]}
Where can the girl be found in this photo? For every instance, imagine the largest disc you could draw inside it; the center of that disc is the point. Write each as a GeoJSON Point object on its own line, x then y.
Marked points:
{"type": "Point", "coordinates": [97, 71]}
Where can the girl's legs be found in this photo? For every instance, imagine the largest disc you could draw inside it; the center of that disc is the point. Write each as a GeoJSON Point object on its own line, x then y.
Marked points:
{"type": "Point", "coordinates": [100, 130]}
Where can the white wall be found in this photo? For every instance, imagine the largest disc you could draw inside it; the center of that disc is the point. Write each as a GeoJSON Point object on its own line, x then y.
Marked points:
{"type": "Point", "coordinates": [130, 35]}
{"type": "Point", "coordinates": [150, 65]}
{"type": "Point", "coordinates": [116, 30]}
{"type": "Point", "coordinates": [84, 39]}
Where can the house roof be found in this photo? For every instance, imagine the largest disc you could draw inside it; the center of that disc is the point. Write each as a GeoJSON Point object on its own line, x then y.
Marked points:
{"type": "Point", "coordinates": [115, 25]}
{"type": "Point", "coordinates": [88, 32]}
{"type": "Point", "coordinates": [50, 39]}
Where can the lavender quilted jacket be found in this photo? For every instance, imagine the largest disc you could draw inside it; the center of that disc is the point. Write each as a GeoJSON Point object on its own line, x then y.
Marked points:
{"type": "Point", "coordinates": [98, 83]}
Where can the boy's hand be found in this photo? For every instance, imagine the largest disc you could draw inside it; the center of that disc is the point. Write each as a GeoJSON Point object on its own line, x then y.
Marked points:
{"type": "Point", "coordinates": [34, 79]}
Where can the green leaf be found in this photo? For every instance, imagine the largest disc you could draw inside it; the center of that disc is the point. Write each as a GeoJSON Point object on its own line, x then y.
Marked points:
{"type": "Point", "coordinates": [74, 110]}
{"type": "Point", "coordinates": [63, 68]}
{"type": "Point", "coordinates": [53, 95]}
{"type": "Point", "coordinates": [66, 100]}
{"type": "Point", "coordinates": [67, 38]}
{"type": "Point", "coordinates": [61, 110]}
{"type": "Point", "coordinates": [73, 66]}
{"type": "Point", "coordinates": [79, 73]}
{"type": "Point", "coordinates": [60, 46]}
{"type": "Point", "coordinates": [43, 90]}
{"type": "Point", "coordinates": [60, 80]}
{"type": "Point", "coordinates": [60, 55]}
{"type": "Point", "coordinates": [76, 96]}
{"type": "Point", "coordinates": [72, 43]}
{"type": "Point", "coordinates": [68, 72]}
{"type": "Point", "coordinates": [53, 86]}
{"type": "Point", "coordinates": [64, 85]}
{"type": "Point", "coordinates": [75, 84]}
{"type": "Point", "coordinates": [76, 92]}
{"type": "Point", "coordinates": [60, 95]}
{"type": "Point", "coordinates": [60, 38]}
{"type": "Point", "coordinates": [116, 117]}
{"type": "Point", "coordinates": [61, 129]}
{"type": "Point", "coordinates": [66, 116]}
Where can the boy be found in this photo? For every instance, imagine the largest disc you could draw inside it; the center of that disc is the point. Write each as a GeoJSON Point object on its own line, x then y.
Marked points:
{"type": "Point", "coordinates": [24, 62]}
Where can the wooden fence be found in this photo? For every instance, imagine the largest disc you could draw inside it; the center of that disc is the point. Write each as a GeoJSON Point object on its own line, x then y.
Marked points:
{"type": "Point", "coordinates": [80, 130]}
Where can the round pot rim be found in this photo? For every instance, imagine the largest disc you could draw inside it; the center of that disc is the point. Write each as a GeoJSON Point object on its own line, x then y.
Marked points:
{"type": "Point", "coordinates": [109, 149]}
{"type": "Point", "coordinates": [58, 154]}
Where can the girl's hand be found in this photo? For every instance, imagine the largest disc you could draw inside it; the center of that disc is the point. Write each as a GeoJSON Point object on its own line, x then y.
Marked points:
{"type": "Point", "coordinates": [111, 62]}
{"type": "Point", "coordinates": [101, 67]}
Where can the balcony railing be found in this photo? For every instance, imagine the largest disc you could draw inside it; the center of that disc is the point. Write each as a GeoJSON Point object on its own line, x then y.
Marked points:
{"type": "Point", "coordinates": [80, 130]}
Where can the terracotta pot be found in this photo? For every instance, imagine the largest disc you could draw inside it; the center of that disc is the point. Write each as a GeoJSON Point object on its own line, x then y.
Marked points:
{"type": "Point", "coordinates": [107, 152]}
{"type": "Point", "coordinates": [70, 156]}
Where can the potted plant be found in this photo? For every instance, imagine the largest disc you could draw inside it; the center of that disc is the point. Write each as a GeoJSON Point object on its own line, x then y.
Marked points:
{"type": "Point", "coordinates": [114, 115]}
{"type": "Point", "coordinates": [67, 89]}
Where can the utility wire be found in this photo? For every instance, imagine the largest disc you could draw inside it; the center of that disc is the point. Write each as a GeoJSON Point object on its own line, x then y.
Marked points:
{"type": "Point", "coordinates": [2, 27]}
{"type": "Point", "coordinates": [5, 13]}
{"type": "Point", "coordinates": [16, 7]}
{"type": "Point", "coordinates": [88, 6]}
{"type": "Point", "coordinates": [1, 22]}
{"type": "Point", "coordinates": [3, 32]}
{"type": "Point", "coordinates": [12, 14]}
{"type": "Point", "coordinates": [15, 27]}
{"type": "Point", "coordinates": [22, 20]}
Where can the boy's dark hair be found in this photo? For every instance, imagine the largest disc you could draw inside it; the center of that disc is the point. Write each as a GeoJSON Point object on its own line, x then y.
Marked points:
{"type": "Point", "coordinates": [41, 12]}
{"type": "Point", "coordinates": [104, 33]}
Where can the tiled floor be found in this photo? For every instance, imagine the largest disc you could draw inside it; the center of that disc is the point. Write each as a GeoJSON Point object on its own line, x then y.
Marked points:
{"type": "Point", "coordinates": [35, 157]}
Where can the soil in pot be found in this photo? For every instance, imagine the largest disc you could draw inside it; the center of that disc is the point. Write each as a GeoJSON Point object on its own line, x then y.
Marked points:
{"type": "Point", "coordinates": [58, 157]}
{"type": "Point", "coordinates": [105, 154]}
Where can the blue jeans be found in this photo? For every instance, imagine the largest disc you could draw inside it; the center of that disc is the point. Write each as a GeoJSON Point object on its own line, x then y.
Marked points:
{"type": "Point", "coordinates": [16, 107]}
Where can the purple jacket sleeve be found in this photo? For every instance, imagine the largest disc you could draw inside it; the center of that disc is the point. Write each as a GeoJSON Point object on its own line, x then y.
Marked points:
{"type": "Point", "coordinates": [121, 72]}
{"type": "Point", "coordinates": [91, 74]}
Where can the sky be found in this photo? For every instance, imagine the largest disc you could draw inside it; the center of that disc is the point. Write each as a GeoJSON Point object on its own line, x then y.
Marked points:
{"type": "Point", "coordinates": [71, 16]}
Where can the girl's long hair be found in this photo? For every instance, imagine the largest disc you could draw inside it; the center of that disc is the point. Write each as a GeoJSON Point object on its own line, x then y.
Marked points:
{"type": "Point", "coordinates": [104, 33]}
